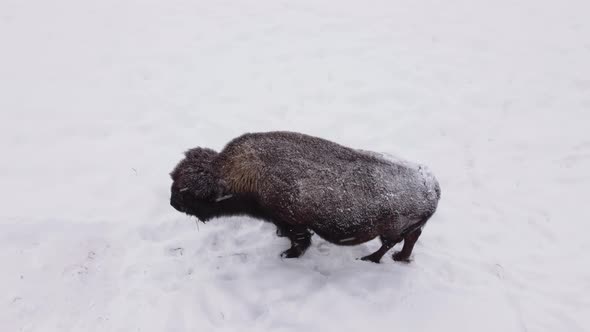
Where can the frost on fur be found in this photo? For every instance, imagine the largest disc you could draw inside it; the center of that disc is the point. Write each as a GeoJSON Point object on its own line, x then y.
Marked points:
{"type": "Point", "coordinates": [303, 183]}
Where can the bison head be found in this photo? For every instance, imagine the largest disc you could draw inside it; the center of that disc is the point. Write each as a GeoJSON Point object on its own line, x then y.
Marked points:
{"type": "Point", "coordinates": [196, 187]}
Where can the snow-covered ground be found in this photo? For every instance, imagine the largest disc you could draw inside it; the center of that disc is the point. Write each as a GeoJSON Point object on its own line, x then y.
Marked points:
{"type": "Point", "coordinates": [98, 100]}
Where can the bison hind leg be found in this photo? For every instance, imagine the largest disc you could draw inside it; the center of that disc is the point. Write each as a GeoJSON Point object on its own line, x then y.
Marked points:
{"type": "Point", "coordinates": [409, 242]}
{"type": "Point", "coordinates": [386, 244]}
{"type": "Point", "coordinates": [410, 239]}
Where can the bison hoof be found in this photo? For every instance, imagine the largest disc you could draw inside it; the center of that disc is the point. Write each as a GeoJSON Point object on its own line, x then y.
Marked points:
{"type": "Point", "coordinates": [371, 258]}
{"type": "Point", "coordinates": [292, 252]}
{"type": "Point", "coordinates": [401, 257]}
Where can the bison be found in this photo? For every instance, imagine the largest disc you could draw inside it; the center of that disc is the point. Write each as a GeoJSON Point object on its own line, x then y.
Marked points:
{"type": "Point", "coordinates": [302, 184]}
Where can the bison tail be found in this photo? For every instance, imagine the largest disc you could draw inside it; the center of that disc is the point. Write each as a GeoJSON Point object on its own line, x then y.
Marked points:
{"type": "Point", "coordinates": [437, 190]}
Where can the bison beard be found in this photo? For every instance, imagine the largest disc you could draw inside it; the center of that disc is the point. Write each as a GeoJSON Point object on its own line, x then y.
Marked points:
{"type": "Point", "coordinates": [302, 184]}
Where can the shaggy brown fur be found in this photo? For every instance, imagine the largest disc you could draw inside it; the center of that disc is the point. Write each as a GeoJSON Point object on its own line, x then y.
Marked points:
{"type": "Point", "coordinates": [303, 183]}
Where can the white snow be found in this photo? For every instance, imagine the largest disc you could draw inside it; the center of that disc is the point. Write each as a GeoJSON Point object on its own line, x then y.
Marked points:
{"type": "Point", "coordinates": [98, 100]}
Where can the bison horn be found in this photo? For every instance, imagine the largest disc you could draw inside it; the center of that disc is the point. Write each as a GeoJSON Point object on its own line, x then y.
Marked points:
{"type": "Point", "coordinates": [223, 198]}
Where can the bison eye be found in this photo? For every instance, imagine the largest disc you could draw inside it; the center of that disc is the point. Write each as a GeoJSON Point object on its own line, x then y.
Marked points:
{"type": "Point", "coordinates": [183, 189]}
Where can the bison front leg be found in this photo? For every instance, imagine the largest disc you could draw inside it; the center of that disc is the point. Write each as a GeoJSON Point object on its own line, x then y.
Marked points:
{"type": "Point", "coordinates": [300, 239]}
{"type": "Point", "coordinates": [282, 230]}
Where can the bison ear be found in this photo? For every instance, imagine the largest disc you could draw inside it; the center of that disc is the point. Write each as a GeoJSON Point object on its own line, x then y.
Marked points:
{"type": "Point", "coordinates": [204, 154]}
